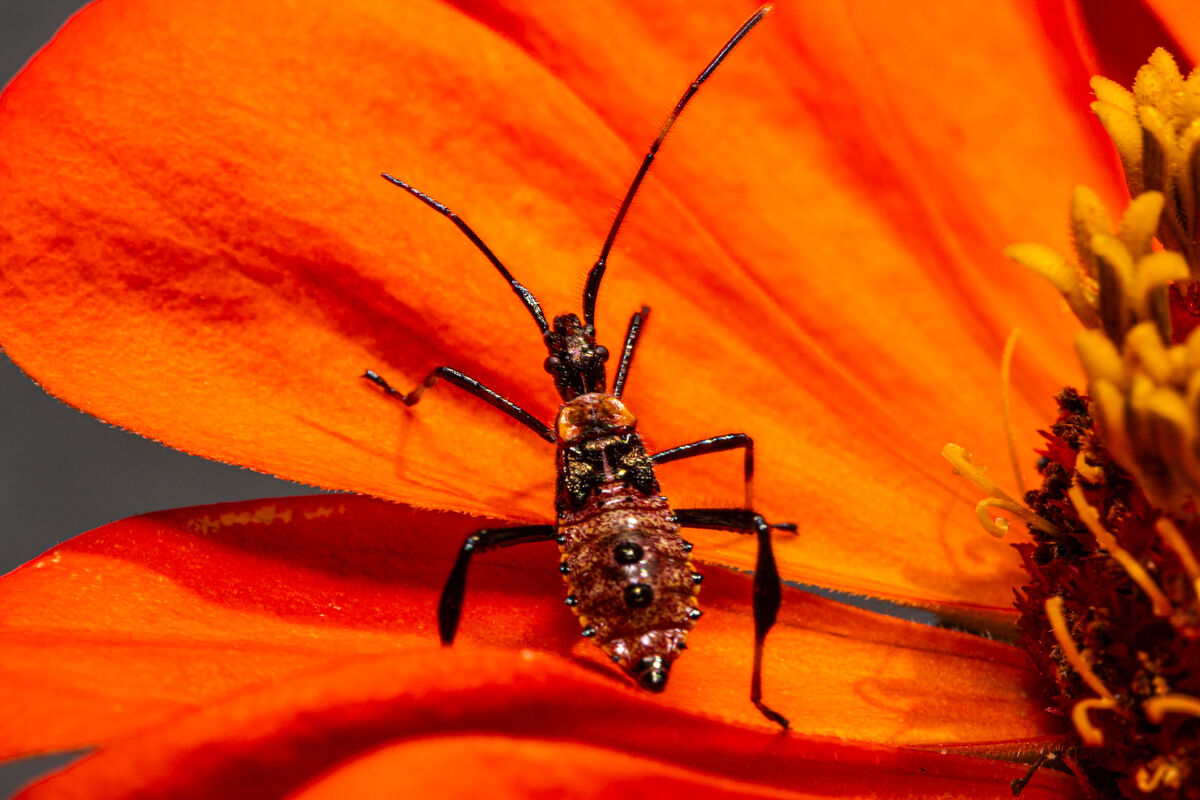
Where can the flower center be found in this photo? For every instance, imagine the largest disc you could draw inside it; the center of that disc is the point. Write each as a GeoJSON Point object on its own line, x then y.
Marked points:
{"type": "Point", "coordinates": [1111, 613]}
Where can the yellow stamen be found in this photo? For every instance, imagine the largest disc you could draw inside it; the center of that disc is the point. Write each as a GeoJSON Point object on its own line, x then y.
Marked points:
{"type": "Point", "coordinates": [1173, 537]}
{"type": "Point", "coordinates": [1090, 734]}
{"type": "Point", "coordinates": [1156, 707]}
{"type": "Point", "coordinates": [1058, 624]}
{"type": "Point", "coordinates": [1139, 222]}
{"type": "Point", "coordinates": [1005, 380]}
{"type": "Point", "coordinates": [1091, 518]}
{"type": "Point", "coordinates": [1064, 276]}
{"type": "Point", "coordinates": [1122, 127]}
{"type": "Point", "coordinates": [1156, 129]}
{"type": "Point", "coordinates": [1088, 471]}
{"type": "Point", "coordinates": [1088, 217]}
{"type": "Point", "coordinates": [1165, 773]}
{"type": "Point", "coordinates": [960, 459]}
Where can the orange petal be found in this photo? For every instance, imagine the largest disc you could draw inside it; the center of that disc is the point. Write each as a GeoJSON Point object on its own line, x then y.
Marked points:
{"type": "Point", "coordinates": [142, 620]}
{"type": "Point", "coordinates": [322, 727]}
{"type": "Point", "coordinates": [198, 248]}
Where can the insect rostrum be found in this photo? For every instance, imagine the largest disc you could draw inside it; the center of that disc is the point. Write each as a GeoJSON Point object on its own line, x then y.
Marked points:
{"type": "Point", "coordinates": [628, 572]}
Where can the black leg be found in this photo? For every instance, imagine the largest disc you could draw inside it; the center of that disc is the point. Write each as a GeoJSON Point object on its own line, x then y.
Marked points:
{"type": "Point", "coordinates": [1018, 784]}
{"type": "Point", "coordinates": [768, 593]}
{"type": "Point", "coordinates": [468, 384]}
{"type": "Point", "coordinates": [450, 606]}
{"type": "Point", "coordinates": [631, 338]}
{"type": "Point", "coordinates": [715, 444]}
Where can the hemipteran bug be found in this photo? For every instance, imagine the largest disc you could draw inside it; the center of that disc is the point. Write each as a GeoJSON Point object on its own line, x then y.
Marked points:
{"type": "Point", "coordinates": [629, 577]}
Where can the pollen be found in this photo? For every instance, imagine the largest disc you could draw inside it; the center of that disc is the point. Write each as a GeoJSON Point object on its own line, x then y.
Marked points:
{"type": "Point", "coordinates": [1145, 387]}
{"type": "Point", "coordinates": [1155, 127]}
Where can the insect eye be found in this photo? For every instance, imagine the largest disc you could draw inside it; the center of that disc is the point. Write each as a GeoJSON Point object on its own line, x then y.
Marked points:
{"type": "Point", "coordinates": [601, 353]}
{"type": "Point", "coordinates": [550, 364]}
{"type": "Point", "coordinates": [628, 553]}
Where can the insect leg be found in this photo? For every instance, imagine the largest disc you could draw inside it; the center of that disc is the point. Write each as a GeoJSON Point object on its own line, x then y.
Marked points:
{"type": "Point", "coordinates": [451, 603]}
{"type": "Point", "coordinates": [715, 444]}
{"type": "Point", "coordinates": [470, 385]}
{"type": "Point", "coordinates": [768, 593]}
{"type": "Point", "coordinates": [631, 338]}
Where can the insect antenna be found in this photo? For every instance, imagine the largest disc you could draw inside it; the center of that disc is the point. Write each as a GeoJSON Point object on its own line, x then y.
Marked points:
{"type": "Point", "coordinates": [592, 288]}
{"type": "Point", "coordinates": [526, 296]}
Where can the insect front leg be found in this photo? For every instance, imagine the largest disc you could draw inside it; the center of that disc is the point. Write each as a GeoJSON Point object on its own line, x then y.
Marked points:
{"type": "Point", "coordinates": [451, 603]}
{"type": "Point", "coordinates": [631, 340]}
{"type": "Point", "coordinates": [467, 384]}
{"type": "Point", "coordinates": [716, 444]}
{"type": "Point", "coordinates": [768, 592]}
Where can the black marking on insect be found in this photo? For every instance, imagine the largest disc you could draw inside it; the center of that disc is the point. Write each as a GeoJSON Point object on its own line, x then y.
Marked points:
{"type": "Point", "coordinates": [628, 574]}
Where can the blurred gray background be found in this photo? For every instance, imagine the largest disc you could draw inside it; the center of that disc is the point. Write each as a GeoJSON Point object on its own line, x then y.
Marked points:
{"type": "Point", "coordinates": [62, 472]}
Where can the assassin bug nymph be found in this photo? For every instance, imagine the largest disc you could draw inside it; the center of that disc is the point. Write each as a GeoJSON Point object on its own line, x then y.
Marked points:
{"type": "Point", "coordinates": [629, 577]}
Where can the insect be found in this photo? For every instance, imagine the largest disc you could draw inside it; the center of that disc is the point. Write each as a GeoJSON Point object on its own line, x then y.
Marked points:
{"type": "Point", "coordinates": [628, 573]}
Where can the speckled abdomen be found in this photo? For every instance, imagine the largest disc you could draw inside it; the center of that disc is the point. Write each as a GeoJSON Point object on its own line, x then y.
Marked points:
{"type": "Point", "coordinates": [637, 589]}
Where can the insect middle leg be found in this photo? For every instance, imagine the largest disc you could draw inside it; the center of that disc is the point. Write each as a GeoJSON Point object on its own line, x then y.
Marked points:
{"type": "Point", "coordinates": [469, 385]}
{"type": "Point", "coordinates": [451, 603]}
{"type": "Point", "coordinates": [768, 592]}
{"type": "Point", "coordinates": [716, 444]}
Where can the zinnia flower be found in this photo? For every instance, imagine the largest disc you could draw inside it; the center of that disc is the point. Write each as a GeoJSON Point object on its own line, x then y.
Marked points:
{"type": "Point", "coordinates": [197, 247]}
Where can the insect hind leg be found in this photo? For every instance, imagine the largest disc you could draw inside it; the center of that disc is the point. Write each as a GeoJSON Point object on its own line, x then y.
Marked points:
{"type": "Point", "coordinates": [768, 590]}
{"type": "Point", "coordinates": [451, 603]}
{"type": "Point", "coordinates": [469, 385]}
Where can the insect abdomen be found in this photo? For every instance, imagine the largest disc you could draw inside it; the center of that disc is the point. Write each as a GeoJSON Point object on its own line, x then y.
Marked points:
{"type": "Point", "coordinates": [629, 577]}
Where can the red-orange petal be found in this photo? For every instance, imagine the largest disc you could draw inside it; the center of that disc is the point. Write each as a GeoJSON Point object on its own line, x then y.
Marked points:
{"type": "Point", "coordinates": [279, 739]}
{"type": "Point", "coordinates": [145, 619]}
{"type": "Point", "coordinates": [275, 740]}
{"type": "Point", "coordinates": [474, 766]}
{"type": "Point", "coordinates": [197, 248]}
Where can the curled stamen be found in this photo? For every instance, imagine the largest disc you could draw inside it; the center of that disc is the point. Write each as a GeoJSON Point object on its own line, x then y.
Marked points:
{"type": "Point", "coordinates": [997, 526]}
{"type": "Point", "coordinates": [1156, 707]}
{"type": "Point", "coordinates": [1091, 518]}
{"type": "Point", "coordinates": [1164, 773]}
{"type": "Point", "coordinates": [1173, 537]}
{"type": "Point", "coordinates": [1058, 624]}
{"type": "Point", "coordinates": [1087, 471]}
{"type": "Point", "coordinates": [1089, 733]}
{"type": "Point", "coordinates": [960, 459]}
{"type": "Point", "coordinates": [1005, 379]}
